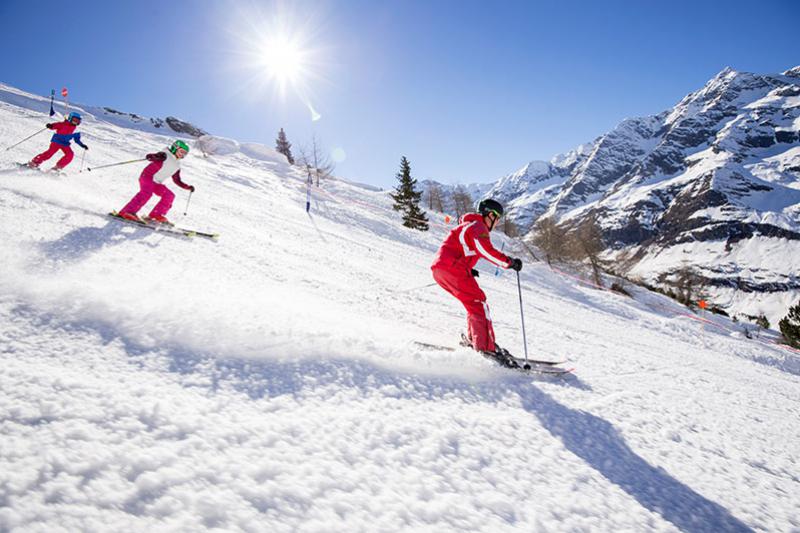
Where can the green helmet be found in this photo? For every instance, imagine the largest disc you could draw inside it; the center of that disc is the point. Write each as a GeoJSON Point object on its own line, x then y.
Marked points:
{"type": "Point", "coordinates": [179, 144]}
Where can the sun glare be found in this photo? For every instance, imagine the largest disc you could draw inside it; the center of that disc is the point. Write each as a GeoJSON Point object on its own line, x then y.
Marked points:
{"type": "Point", "coordinates": [283, 60]}
{"type": "Point", "coordinates": [280, 50]}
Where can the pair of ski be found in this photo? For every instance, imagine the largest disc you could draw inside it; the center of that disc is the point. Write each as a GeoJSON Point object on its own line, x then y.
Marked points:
{"type": "Point", "coordinates": [52, 170]}
{"type": "Point", "coordinates": [166, 228]}
{"type": "Point", "coordinates": [503, 358]}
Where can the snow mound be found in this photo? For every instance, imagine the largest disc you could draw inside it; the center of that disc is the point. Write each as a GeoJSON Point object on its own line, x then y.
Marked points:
{"type": "Point", "coordinates": [262, 152]}
{"type": "Point", "coordinates": [213, 145]}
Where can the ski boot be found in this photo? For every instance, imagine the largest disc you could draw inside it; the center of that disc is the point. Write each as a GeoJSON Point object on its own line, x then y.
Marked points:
{"type": "Point", "coordinates": [502, 357]}
{"type": "Point", "coordinates": [160, 219]}
{"type": "Point", "coordinates": [465, 341]}
{"type": "Point", "coordinates": [129, 216]}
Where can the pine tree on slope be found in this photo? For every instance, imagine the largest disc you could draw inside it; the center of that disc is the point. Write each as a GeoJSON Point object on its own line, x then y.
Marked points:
{"type": "Point", "coordinates": [283, 146]}
{"type": "Point", "coordinates": [406, 198]}
{"type": "Point", "coordinates": [790, 326]}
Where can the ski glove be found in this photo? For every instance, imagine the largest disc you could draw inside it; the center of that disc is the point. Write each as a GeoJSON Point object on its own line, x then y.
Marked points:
{"type": "Point", "coordinates": [475, 273]}
{"type": "Point", "coordinates": [49, 125]}
{"type": "Point", "coordinates": [191, 188]}
{"type": "Point", "coordinates": [516, 264]}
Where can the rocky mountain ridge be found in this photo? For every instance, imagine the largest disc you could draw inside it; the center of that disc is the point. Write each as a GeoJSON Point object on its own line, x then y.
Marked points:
{"type": "Point", "coordinates": [713, 183]}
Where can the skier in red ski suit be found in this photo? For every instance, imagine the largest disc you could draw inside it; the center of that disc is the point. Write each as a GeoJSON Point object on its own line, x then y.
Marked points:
{"type": "Point", "coordinates": [64, 133]}
{"type": "Point", "coordinates": [454, 269]}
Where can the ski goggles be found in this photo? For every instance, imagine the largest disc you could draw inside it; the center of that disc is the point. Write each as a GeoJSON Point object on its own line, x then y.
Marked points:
{"type": "Point", "coordinates": [497, 215]}
{"type": "Point", "coordinates": [75, 120]}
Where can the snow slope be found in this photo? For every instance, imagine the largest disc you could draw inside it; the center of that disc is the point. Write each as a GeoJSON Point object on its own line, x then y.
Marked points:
{"type": "Point", "coordinates": [32, 102]}
{"type": "Point", "coordinates": [268, 381]}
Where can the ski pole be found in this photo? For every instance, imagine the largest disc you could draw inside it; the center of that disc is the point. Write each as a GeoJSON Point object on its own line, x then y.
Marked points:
{"type": "Point", "coordinates": [116, 164]}
{"type": "Point", "coordinates": [82, 158]}
{"type": "Point", "coordinates": [417, 288]}
{"type": "Point", "coordinates": [522, 316]}
{"type": "Point", "coordinates": [497, 268]}
{"type": "Point", "coordinates": [26, 138]}
{"type": "Point", "coordinates": [187, 203]}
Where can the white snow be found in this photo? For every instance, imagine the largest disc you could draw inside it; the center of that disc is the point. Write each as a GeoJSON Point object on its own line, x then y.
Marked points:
{"type": "Point", "coordinates": [214, 145]}
{"type": "Point", "coordinates": [268, 381]}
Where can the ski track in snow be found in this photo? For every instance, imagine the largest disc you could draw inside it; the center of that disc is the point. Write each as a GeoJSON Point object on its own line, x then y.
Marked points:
{"type": "Point", "coordinates": [268, 381]}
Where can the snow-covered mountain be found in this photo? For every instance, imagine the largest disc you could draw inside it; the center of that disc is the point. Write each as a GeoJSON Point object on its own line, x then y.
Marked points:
{"type": "Point", "coordinates": [713, 183]}
{"type": "Point", "coordinates": [269, 382]}
{"type": "Point", "coordinates": [448, 191]}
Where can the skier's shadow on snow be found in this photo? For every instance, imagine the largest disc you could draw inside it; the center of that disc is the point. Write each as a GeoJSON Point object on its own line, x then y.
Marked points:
{"type": "Point", "coordinates": [598, 443]}
{"type": "Point", "coordinates": [80, 243]}
{"type": "Point", "coordinates": [587, 436]}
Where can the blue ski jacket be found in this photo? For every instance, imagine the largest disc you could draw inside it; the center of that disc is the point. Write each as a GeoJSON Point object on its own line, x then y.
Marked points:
{"type": "Point", "coordinates": [64, 133]}
{"type": "Point", "coordinates": [64, 139]}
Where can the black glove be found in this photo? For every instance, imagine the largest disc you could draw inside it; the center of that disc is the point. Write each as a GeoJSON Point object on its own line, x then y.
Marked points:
{"type": "Point", "coordinates": [516, 264]}
{"type": "Point", "coordinates": [49, 125]}
{"type": "Point", "coordinates": [85, 147]}
{"type": "Point", "coordinates": [475, 273]}
{"type": "Point", "coordinates": [191, 188]}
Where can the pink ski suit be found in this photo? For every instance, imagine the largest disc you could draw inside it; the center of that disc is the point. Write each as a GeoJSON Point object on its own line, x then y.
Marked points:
{"type": "Point", "coordinates": [162, 166]}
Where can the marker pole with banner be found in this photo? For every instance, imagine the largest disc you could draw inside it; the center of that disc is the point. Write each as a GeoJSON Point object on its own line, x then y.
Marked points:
{"type": "Point", "coordinates": [65, 96]}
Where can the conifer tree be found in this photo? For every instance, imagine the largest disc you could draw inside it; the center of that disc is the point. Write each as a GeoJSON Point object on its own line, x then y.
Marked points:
{"type": "Point", "coordinates": [790, 326]}
{"type": "Point", "coordinates": [283, 146]}
{"type": "Point", "coordinates": [406, 198]}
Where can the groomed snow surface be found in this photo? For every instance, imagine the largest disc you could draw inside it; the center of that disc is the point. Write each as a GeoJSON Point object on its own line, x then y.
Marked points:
{"type": "Point", "coordinates": [268, 381]}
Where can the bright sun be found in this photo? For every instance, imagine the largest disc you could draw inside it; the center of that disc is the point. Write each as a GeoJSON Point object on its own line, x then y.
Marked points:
{"type": "Point", "coordinates": [283, 60]}
{"type": "Point", "coordinates": [280, 51]}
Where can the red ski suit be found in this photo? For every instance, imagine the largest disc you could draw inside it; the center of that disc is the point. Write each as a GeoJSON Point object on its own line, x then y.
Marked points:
{"type": "Point", "coordinates": [60, 141]}
{"type": "Point", "coordinates": [452, 270]}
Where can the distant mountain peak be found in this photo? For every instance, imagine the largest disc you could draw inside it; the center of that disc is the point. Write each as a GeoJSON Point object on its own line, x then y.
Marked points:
{"type": "Point", "coordinates": [793, 72]}
{"type": "Point", "coordinates": [533, 169]}
{"type": "Point", "coordinates": [726, 72]}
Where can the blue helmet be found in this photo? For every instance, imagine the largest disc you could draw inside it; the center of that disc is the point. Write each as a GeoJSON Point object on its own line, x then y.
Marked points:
{"type": "Point", "coordinates": [74, 115]}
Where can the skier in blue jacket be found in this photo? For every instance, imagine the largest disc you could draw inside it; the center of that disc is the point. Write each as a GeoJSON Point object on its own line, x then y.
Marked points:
{"type": "Point", "coordinates": [64, 134]}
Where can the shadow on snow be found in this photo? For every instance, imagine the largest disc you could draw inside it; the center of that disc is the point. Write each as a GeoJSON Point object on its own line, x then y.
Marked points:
{"type": "Point", "coordinates": [598, 443]}
{"type": "Point", "coordinates": [588, 436]}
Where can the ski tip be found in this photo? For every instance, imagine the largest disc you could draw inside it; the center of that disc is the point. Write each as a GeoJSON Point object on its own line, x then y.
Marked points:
{"type": "Point", "coordinates": [534, 370]}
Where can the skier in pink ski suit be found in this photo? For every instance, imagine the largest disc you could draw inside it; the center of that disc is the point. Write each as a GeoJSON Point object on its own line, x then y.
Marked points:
{"type": "Point", "coordinates": [162, 166]}
{"type": "Point", "coordinates": [454, 269]}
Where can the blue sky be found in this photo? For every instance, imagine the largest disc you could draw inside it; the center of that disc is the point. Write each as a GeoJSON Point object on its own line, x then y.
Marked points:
{"type": "Point", "coordinates": [467, 90]}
